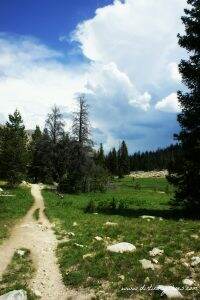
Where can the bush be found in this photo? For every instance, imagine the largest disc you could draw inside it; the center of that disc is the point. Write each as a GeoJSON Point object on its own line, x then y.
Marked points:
{"type": "Point", "coordinates": [91, 207]}
{"type": "Point", "coordinates": [137, 186]}
{"type": "Point", "coordinates": [103, 206]}
{"type": "Point", "coordinates": [92, 179]}
{"type": "Point", "coordinates": [63, 185]}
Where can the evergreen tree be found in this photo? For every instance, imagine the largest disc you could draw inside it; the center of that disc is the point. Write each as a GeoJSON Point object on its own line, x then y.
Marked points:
{"type": "Point", "coordinates": [154, 160]}
{"type": "Point", "coordinates": [185, 173]}
{"type": "Point", "coordinates": [100, 157]}
{"type": "Point", "coordinates": [55, 130]}
{"type": "Point", "coordinates": [82, 173]}
{"type": "Point", "coordinates": [112, 162]}
{"type": "Point", "coordinates": [13, 154]}
{"type": "Point", "coordinates": [81, 124]}
{"type": "Point", "coordinates": [33, 154]}
{"type": "Point", "coordinates": [41, 169]}
{"type": "Point", "coordinates": [36, 136]}
{"type": "Point", "coordinates": [123, 160]}
{"type": "Point", "coordinates": [81, 162]}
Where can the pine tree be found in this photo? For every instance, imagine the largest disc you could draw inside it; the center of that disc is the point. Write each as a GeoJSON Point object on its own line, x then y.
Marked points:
{"type": "Point", "coordinates": [100, 157]}
{"type": "Point", "coordinates": [112, 162]}
{"type": "Point", "coordinates": [42, 169]}
{"type": "Point", "coordinates": [123, 160]}
{"type": "Point", "coordinates": [36, 136]}
{"type": "Point", "coordinates": [81, 124]}
{"type": "Point", "coordinates": [55, 130]}
{"type": "Point", "coordinates": [185, 173]}
{"type": "Point", "coordinates": [14, 154]}
{"type": "Point", "coordinates": [80, 160]}
{"type": "Point", "coordinates": [34, 166]}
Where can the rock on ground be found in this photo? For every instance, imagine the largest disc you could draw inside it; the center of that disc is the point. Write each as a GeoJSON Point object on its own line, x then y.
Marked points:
{"type": "Point", "coordinates": [111, 224]}
{"type": "Point", "coordinates": [98, 238]}
{"type": "Point", "coordinates": [148, 217]}
{"type": "Point", "coordinates": [20, 252]}
{"type": "Point", "coordinates": [188, 281]}
{"type": "Point", "coordinates": [170, 291]}
{"type": "Point", "coordinates": [194, 236]}
{"type": "Point", "coordinates": [121, 247]}
{"type": "Point", "coordinates": [195, 261]}
{"type": "Point", "coordinates": [88, 255]}
{"type": "Point", "coordinates": [156, 251]}
{"type": "Point", "coordinates": [146, 264]}
{"type": "Point", "coordinates": [15, 295]}
{"type": "Point", "coordinates": [154, 174]}
{"type": "Point", "coordinates": [25, 184]}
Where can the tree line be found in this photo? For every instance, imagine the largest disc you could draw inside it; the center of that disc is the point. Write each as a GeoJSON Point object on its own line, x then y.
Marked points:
{"type": "Point", "coordinates": [56, 156]}
{"type": "Point", "coordinates": [160, 159]}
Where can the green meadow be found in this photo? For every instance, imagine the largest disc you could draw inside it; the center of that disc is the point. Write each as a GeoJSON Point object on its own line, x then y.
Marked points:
{"type": "Point", "coordinates": [79, 222]}
{"type": "Point", "coordinates": [14, 203]}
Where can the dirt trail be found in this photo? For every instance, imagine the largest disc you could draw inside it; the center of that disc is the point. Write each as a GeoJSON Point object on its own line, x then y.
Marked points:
{"type": "Point", "coordinates": [40, 239]}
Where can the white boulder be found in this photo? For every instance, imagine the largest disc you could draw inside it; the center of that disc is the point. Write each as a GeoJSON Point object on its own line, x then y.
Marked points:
{"type": "Point", "coordinates": [148, 217]}
{"type": "Point", "coordinates": [195, 261]}
{"type": "Point", "coordinates": [194, 236]}
{"type": "Point", "coordinates": [20, 252]}
{"type": "Point", "coordinates": [15, 295]}
{"type": "Point", "coordinates": [147, 264]}
{"type": "Point", "coordinates": [88, 255]}
{"type": "Point", "coordinates": [98, 238]}
{"type": "Point", "coordinates": [188, 281]}
{"type": "Point", "coordinates": [170, 291]}
{"type": "Point", "coordinates": [190, 253]}
{"type": "Point", "coordinates": [156, 251]}
{"type": "Point", "coordinates": [155, 261]}
{"type": "Point", "coordinates": [37, 293]}
{"type": "Point", "coordinates": [121, 277]}
{"type": "Point", "coordinates": [79, 245]}
{"type": "Point", "coordinates": [70, 233]}
{"type": "Point", "coordinates": [121, 247]}
{"type": "Point", "coordinates": [111, 224]}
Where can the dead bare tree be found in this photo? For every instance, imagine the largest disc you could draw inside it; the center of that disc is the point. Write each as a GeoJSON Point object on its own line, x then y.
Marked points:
{"type": "Point", "coordinates": [81, 124]}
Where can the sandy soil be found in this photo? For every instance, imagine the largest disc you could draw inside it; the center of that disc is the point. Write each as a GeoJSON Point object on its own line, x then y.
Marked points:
{"type": "Point", "coordinates": [40, 239]}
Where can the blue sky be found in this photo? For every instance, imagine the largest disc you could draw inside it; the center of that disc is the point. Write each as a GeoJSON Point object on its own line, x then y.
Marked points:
{"type": "Point", "coordinates": [46, 19]}
{"type": "Point", "coordinates": [122, 54]}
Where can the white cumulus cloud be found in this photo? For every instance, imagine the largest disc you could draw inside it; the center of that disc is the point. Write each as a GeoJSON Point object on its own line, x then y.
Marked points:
{"type": "Point", "coordinates": [174, 72]}
{"type": "Point", "coordinates": [169, 104]}
{"type": "Point", "coordinates": [132, 53]}
{"type": "Point", "coordinates": [33, 80]}
{"type": "Point", "coordinates": [139, 36]}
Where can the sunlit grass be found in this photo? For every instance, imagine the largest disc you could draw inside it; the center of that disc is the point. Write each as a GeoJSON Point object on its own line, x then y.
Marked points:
{"type": "Point", "coordinates": [107, 273]}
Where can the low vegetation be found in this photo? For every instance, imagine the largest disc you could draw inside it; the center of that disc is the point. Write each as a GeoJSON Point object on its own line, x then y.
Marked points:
{"type": "Point", "coordinates": [36, 214]}
{"type": "Point", "coordinates": [18, 274]}
{"type": "Point", "coordinates": [80, 225]}
{"type": "Point", "coordinates": [14, 203]}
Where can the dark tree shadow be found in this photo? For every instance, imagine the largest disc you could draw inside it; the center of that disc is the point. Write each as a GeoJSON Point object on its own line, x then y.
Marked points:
{"type": "Point", "coordinates": [174, 214]}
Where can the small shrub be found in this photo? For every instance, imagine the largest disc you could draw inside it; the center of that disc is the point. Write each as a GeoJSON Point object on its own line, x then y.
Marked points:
{"type": "Point", "coordinates": [91, 207]}
{"type": "Point", "coordinates": [137, 186]}
{"type": "Point", "coordinates": [122, 204]}
{"type": "Point", "coordinates": [63, 185]}
{"type": "Point", "coordinates": [167, 189]}
{"type": "Point", "coordinates": [36, 214]}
